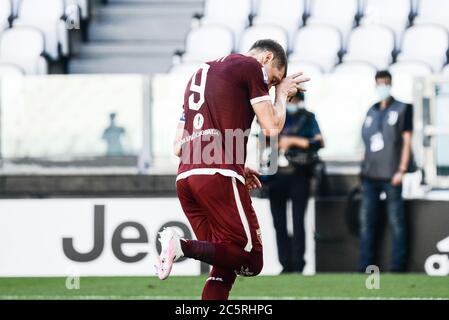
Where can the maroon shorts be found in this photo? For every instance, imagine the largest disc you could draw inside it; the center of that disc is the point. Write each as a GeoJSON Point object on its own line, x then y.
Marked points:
{"type": "Point", "coordinates": [219, 209]}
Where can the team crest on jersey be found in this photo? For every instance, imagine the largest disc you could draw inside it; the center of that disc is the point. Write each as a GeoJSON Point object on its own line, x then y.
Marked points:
{"type": "Point", "coordinates": [265, 75]}
{"type": "Point", "coordinates": [259, 235]}
{"type": "Point", "coordinates": [244, 272]}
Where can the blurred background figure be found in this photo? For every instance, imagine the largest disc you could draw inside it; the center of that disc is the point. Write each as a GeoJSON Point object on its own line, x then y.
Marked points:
{"type": "Point", "coordinates": [387, 136]}
{"type": "Point", "coordinates": [112, 135]}
{"type": "Point", "coordinates": [298, 145]}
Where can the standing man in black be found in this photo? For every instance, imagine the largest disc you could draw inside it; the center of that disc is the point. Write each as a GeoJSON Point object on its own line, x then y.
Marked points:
{"type": "Point", "coordinates": [387, 136]}
{"type": "Point", "coordinates": [298, 145]}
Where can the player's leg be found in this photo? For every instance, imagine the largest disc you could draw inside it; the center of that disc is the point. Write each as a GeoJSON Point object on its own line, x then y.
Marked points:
{"type": "Point", "coordinates": [218, 284]}
{"type": "Point", "coordinates": [194, 212]}
{"type": "Point", "coordinates": [235, 230]}
{"type": "Point", "coordinates": [171, 249]}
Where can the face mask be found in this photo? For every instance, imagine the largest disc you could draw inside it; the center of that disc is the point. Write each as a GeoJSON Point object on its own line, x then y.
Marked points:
{"type": "Point", "coordinates": [383, 92]}
{"type": "Point", "coordinates": [291, 108]}
{"type": "Point", "coordinates": [301, 105]}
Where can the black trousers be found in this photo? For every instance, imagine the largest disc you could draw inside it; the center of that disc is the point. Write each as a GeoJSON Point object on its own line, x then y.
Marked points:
{"type": "Point", "coordinates": [294, 186]}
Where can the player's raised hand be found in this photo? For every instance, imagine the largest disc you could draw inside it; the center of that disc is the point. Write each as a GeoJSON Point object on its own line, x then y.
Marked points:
{"type": "Point", "coordinates": [292, 84]}
{"type": "Point", "coordinates": [252, 179]}
{"type": "Point", "coordinates": [298, 78]}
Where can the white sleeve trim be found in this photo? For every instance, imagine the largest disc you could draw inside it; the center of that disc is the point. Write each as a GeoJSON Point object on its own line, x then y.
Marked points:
{"type": "Point", "coordinates": [259, 99]}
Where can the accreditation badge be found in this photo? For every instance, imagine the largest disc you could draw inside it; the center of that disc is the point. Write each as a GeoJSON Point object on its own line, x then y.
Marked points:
{"type": "Point", "coordinates": [376, 142]}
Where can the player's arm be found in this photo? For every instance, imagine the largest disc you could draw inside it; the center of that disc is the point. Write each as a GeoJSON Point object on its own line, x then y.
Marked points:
{"type": "Point", "coordinates": [178, 136]}
{"type": "Point", "coordinates": [271, 117]}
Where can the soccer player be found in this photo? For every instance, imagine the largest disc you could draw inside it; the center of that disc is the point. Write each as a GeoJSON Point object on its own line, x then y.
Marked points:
{"type": "Point", "coordinates": [213, 184]}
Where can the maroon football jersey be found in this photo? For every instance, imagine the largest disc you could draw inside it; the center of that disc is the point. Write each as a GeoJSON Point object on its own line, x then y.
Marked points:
{"type": "Point", "coordinates": [218, 114]}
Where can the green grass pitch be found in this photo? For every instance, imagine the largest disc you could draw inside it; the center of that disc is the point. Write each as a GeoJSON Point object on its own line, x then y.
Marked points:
{"type": "Point", "coordinates": [321, 286]}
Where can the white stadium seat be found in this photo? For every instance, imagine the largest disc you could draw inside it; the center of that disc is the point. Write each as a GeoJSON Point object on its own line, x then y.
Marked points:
{"type": "Point", "coordinates": [445, 71]}
{"type": "Point", "coordinates": [340, 14]}
{"type": "Point", "coordinates": [411, 68]}
{"type": "Point", "coordinates": [371, 43]}
{"type": "Point", "coordinates": [82, 4]}
{"type": "Point", "coordinates": [46, 15]}
{"type": "Point", "coordinates": [284, 13]}
{"type": "Point", "coordinates": [309, 69]}
{"type": "Point", "coordinates": [233, 14]}
{"type": "Point", "coordinates": [208, 43]}
{"type": "Point", "coordinates": [434, 12]}
{"type": "Point", "coordinates": [319, 44]}
{"type": "Point", "coordinates": [10, 69]}
{"type": "Point", "coordinates": [5, 13]}
{"type": "Point", "coordinates": [356, 68]}
{"type": "Point", "coordinates": [24, 46]}
{"type": "Point", "coordinates": [393, 14]}
{"type": "Point", "coordinates": [186, 68]}
{"type": "Point", "coordinates": [255, 33]}
{"type": "Point", "coordinates": [425, 43]}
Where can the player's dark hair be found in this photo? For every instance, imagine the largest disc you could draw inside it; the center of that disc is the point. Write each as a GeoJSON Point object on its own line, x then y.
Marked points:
{"type": "Point", "coordinates": [279, 55]}
{"type": "Point", "coordinates": [383, 74]}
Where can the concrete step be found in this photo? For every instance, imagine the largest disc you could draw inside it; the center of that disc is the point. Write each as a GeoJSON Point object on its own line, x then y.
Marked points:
{"type": "Point", "coordinates": [129, 48]}
{"type": "Point", "coordinates": [136, 10]}
{"type": "Point", "coordinates": [122, 64]}
{"type": "Point", "coordinates": [169, 30]}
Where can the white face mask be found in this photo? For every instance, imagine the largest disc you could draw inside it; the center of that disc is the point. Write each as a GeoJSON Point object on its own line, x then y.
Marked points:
{"type": "Point", "coordinates": [383, 92]}
{"type": "Point", "coordinates": [291, 108]}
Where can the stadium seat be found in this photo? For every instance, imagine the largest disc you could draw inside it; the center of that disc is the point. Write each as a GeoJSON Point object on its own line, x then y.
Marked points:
{"type": "Point", "coordinates": [184, 71]}
{"type": "Point", "coordinates": [373, 44]}
{"type": "Point", "coordinates": [433, 12]}
{"type": "Point", "coordinates": [319, 44]}
{"type": "Point", "coordinates": [83, 6]}
{"type": "Point", "coordinates": [255, 33]}
{"type": "Point", "coordinates": [340, 14]}
{"type": "Point", "coordinates": [208, 43]}
{"type": "Point", "coordinates": [233, 14]}
{"type": "Point", "coordinates": [410, 68]}
{"type": "Point", "coordinates": [47, 16]}
{"type": "Point", "coordinates": [284, 13]}
{"type": "Point", "coordinates": [425, 43]}
{"type": "Point", "coordinates": [10, 69]}
{"type": "Point", "coordinates": [5, 13]}
{"type": "Point", "coordinates": [311, 70]}
{"type": "Point", "coordinates": [392, 14]}
{"type": "Point", "coordinates": [445, 71]}
{"type": "Point", "coordinates": [356, 68]}
{"type": "Point", "coordinates": [24, 47]}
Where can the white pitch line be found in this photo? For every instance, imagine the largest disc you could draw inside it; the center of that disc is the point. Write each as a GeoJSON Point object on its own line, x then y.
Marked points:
{"type": "Point", "coordinates": [115, 297]}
